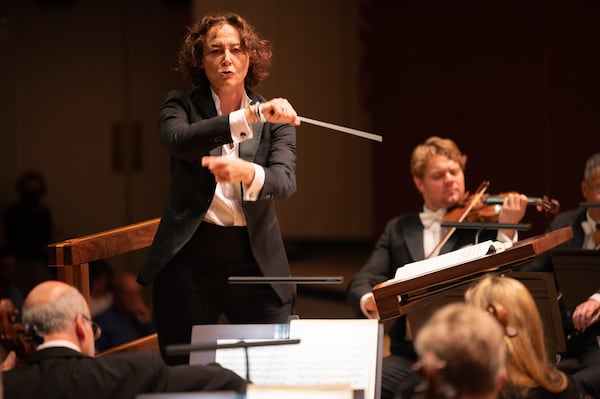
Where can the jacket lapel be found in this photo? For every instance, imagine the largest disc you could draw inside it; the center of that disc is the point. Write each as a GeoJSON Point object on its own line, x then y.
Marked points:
{"type": "Point", "coordinates": [206, 107]}
{"type": "Point", "coordinates": [413, 235]}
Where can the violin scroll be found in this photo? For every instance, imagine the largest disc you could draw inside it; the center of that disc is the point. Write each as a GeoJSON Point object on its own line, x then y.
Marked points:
{"type": "Point", "coordinates": [547, 205]}
{"type": "Point", "coordinates": [12, 333]}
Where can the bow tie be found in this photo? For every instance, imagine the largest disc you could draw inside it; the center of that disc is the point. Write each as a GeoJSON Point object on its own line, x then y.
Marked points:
{"type": "Point", "coordinates": [429, 217]}
{"type": "Point", "coordinates": [588, 227]}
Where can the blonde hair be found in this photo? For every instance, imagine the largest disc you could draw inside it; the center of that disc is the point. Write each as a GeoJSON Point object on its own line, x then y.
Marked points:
{"type": "Point", "coordinates": [433, 146]}
{"type": "Point", "coordinates": [527, 364]}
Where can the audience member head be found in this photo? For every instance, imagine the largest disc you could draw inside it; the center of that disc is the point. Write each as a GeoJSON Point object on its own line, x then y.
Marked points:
{"type": "Point", "coordinates": [437, 166]}
{"type": "Point", "coordinates": [590, 186]}
{"type": "Point", "coordinates": [101, 286]}
{"type": "Point", "coordinates": [55, 310]}
{"type": "Point", "coordinates": [129, 297]}
{"type": "Point", "coordinates": [511, 303]}
{"type": "Point", "coordinates": [31, 186]}
{"type": "Point", "coordinates": [8, 271]}
{"type": "Point", "coordinates": [461, 353]}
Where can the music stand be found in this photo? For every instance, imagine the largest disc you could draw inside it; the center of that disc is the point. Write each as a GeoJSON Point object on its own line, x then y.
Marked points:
{"type": "Point", "coordinates": [589, 204]}
{"type": "Point", "coordinates": [577, 274]}
{"type": "Point", "coordinates": [212, 333]}
{"type": "Point", "coordinates": [542, 288]}
{"type": "Point", "coordinates": [481, 226]}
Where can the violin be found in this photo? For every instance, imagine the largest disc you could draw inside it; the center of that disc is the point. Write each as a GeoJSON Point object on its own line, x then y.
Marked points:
{"type": "Point", "coordinates": [12, 333]}
{"type": "Point", "coordinates": [485, 208]}
{"type": "Point", "coordinates": [482, 207]}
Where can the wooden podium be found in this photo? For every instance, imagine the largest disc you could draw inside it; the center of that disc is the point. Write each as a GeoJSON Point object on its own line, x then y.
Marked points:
{"type": "Point", "coordinates": [395, 298]}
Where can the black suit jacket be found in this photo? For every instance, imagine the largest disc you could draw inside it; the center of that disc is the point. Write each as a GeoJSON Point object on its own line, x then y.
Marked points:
{"type": "Point", "coordinates": [400, 243]}
{"type": "Point", "coordinates": [543, 263]}
{"type": "Point", "coordinates": [191, 129]}
{"type": "Point", "coordinates": [573, 218]}
{"type": "Point", "coordinates": [65, 373]}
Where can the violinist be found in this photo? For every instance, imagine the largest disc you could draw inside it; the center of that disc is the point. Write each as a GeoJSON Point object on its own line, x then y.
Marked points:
{"type": "Point", "coordinates": [585, 223]}
{"type": "Point", "coordinates": [437, 167]}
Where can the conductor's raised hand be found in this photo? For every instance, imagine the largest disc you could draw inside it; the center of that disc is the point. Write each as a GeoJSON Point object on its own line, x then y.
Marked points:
{"type": "Point", "coordinates": [279, 110]}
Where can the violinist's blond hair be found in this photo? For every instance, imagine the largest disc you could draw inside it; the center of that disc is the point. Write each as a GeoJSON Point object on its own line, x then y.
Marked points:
{"type": "Point", "coordinates": [433, 146]}
{"type": "Point", "coordinates": [527, 363]}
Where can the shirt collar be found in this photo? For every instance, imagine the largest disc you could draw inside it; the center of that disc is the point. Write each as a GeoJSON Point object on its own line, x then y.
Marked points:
{"type": "Point", "coordinates": [245, 100]}
{"type": "Point", "coordinates": [59, 343]}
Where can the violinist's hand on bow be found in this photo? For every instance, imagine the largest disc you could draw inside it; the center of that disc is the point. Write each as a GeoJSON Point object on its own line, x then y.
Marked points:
{"type": "Point", "coordinates": [586, 313]}
{"type": "Point", "coordinates": [229, 169]}
{"type": "Point", "coordinates": [9, 362]}
{"type": "Point", "coordinates": [512, 211]}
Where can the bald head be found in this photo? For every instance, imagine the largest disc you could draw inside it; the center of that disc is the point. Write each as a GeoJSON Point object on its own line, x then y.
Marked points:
{"type": "Point", "coordinates": [58, 311]}
{"type": "Point", "coordinates": [48, 292]}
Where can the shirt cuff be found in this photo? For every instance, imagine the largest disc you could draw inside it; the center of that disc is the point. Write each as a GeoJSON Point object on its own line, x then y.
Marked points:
{"type": "Point", "coordinates": [504, 238]}
{"type": "Point", "coordinates": [252, 191]}
{"type": "Point", "coordinates": [595, 297]}
{"type": "Point", "coordinates": [240, 130]}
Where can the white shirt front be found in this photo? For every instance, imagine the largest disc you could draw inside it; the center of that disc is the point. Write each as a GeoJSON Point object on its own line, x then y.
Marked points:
{"type": "Point", "coordinates": [226, 206]}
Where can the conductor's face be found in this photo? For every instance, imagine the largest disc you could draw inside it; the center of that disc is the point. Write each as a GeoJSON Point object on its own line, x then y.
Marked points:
{"type": "Point", "coordinates": [442, 184]}
{"type": "Point", "coordinates": [224, 60]}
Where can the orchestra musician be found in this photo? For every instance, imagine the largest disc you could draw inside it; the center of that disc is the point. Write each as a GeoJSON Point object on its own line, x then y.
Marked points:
{"type": "Point", "coordinates": [63, 364]}
{"type": "Point", "coordinates": [437, 167]}
{"type": "Point", "coordinates": [462, 355]}
{"type": "Point", "coordinates": [233, 153]}
{"type": "Point", "coordinates": [585, 222]}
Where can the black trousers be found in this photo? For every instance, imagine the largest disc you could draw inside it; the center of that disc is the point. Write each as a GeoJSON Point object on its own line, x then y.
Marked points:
{"type": "Point", "coordinates": [193, 288]}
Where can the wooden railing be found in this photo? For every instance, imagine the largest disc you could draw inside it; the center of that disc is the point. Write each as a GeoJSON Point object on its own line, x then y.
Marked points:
{"type": "Point", "coordinates": [72, 257]}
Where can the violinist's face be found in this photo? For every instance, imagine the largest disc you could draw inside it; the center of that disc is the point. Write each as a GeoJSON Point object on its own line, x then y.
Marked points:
{"type": "Point", "coordinates": [443, 183]}
{"type": "Point", "coordinates": [591, 192]}
{"type": "Point", "coordinates": [224, 60]}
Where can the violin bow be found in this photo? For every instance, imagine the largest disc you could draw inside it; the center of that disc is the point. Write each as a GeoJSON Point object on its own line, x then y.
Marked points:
{"type": "Point", "coordinates": [474, 200]}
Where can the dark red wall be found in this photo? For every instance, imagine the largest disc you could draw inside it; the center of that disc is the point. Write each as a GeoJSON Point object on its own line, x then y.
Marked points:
{"type": "Point", "coordinates": [514, 83]}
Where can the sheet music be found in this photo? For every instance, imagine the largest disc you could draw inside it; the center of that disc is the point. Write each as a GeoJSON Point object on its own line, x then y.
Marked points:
{"type": "Point", "coordinates": [299, 392]}
{"type": "Point", "coordinates": [447, 260]}
{"type": "Point", "coordinates": [330, 352]}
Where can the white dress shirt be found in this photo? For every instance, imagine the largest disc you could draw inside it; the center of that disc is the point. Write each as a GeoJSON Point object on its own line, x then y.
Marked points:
{"type": "Point", "coordinates": [226, 206]}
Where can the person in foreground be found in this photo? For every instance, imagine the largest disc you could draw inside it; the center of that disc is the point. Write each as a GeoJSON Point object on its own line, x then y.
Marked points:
{"type": "Point", "coordinates": [437, 166]}
{"type": "Point", "coordinates": [529, 372]}
{"type": "Point", "coordinates": [232, 154]}
{"type": "Point", "coordinates": [63, 365]}
{"type": "Point", "coordinates": [461, 355]}
{"type": "Point", "coordinates": [581, 326]}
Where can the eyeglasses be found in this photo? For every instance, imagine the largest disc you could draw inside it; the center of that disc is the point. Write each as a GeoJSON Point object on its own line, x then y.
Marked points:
{"type": "Point", "coordinates": [95, 327]}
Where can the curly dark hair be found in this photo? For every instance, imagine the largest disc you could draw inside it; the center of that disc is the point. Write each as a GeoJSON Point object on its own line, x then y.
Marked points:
{"type": "Point", "coordinates": [189, 58]}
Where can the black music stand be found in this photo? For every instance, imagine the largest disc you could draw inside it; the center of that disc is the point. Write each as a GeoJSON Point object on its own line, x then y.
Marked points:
{"type": "Point", "coordinates": [193, 395]}
{"type": "Point", "coordinates": [542, 288]}
{"type": "Point", "coordinates": [481, 226]}
{"type": "Point", "coordinates": [589, 204]}
{"type": "Point", "coordinates": [577, 274]}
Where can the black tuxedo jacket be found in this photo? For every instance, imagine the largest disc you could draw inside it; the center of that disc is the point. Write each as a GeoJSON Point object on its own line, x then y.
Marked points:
{"type": "Point", "coordinates": [191, 129]}
{"type": "Point", "coordinates": [573, 218]}
{"type": "Point", "coordinates": [65, 373]}
{"type": "Point", "coordinates": [401, 243]}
